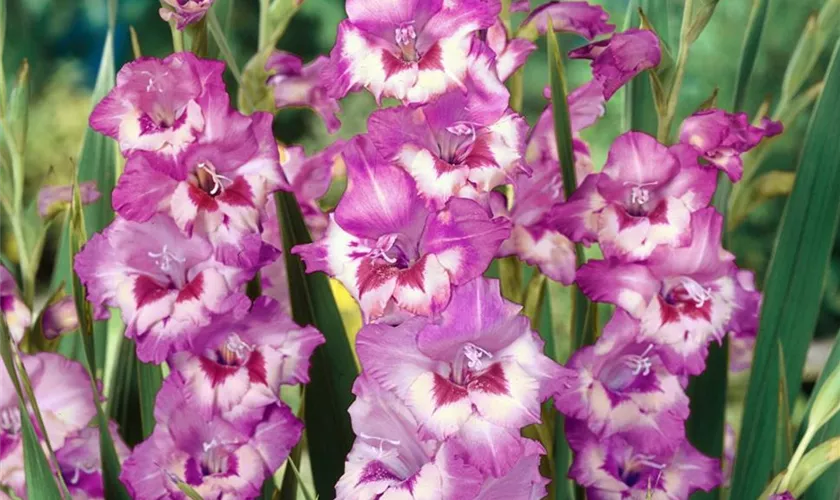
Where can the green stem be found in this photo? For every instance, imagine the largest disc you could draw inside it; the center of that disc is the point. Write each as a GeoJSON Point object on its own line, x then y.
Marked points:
{"type": "Point", "coordinates": [177, 38]}
{"type": "Point", "coordinates": [517, 89]}
{"type": "Point", "coordinates": [263, 33]}
{"type": "Point", "coordinates": [27, 271]}
{"type": "Point", "coordinates": [664, 129]}
{"type": "Point", "coordinates": [797, 456]}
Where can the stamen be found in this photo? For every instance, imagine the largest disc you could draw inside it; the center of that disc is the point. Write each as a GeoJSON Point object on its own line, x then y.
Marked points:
{"type": "Point", "coordinates": [406, 37]}
{"type": "Point", "coordinates": [10, 420]}
{"type": "Point", "coordinates": [381, 440]}
{"type": "Point", "coordinates": [639, 196]}
{"type": "Point", "coordinates": [165, 258]}
{"type": "Point", "coordinates": [696, 291]}
{"type": "Point", "coordinates": [234, 350]}
{"type": "Point", "coordinates": [217, 179]}
{"type": "Point", "coordinates": [474, 354]}
{"type": "Point", "coordinates": [640, 363]}
{"type": "Point", "coordinates": [215, 457]}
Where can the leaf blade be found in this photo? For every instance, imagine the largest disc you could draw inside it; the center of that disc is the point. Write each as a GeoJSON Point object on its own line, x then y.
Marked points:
{"type": "Point", "coordinates": [328, 429]}
{"type": "Point", "coordinates": [794, 288]}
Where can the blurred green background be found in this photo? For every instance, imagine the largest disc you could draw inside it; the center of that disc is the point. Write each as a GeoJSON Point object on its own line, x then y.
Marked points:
{"type": "Point", "coordinates": [62, 41]}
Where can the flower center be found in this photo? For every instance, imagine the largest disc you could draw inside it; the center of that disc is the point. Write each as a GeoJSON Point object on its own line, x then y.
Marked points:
{"type": "Point", "coordinates": [472, 359]}
{"type": "Point", "coordinates": [474, 355]}
{"type": "Point", "coordinates": [395, 249]}
{"type": "Point", "coordinates": [10, 420]}
{"type": "Point", "coordinates": [234, 352]}
{"type": "Point", "coordinates": [457, 145]}
{"type": "Point", "coordinates": [208, 180]}
{"type": "Point", "coordinates": [406, 39]}
{"type": "Point", "coordinates": [170, 264]}
{"type": "Point", "coordinates": [215, 459]}
{"type": "Point", "coordinates": [79, 468]}
{"type": "Point", "coordinates": [639, 198]}
{"type": "Point", "coordinates": [634, 469]}
{"type": "Point", "coordinates": [688, 289]}
{"type": "Point", "coordinates": [622, 373]}
{"type": "Point", "coordinates": [381, 441]}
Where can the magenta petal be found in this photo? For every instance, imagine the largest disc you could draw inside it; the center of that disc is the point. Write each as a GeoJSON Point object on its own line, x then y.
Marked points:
{"type": "Point", "coordinates": [143, 190]}
{"type": "Point", "coordinates": [380, 199]}
{"type": "Point", "coordinates": [51, 196]}
{"type": "Point", "coordinates": [582, 18]}
{"type": "Point", "coordinates": [627, 285]}
{"type": "Point", "coordinates": [617, 60]}
{"type": "Point", "coordinates": [464, 238]}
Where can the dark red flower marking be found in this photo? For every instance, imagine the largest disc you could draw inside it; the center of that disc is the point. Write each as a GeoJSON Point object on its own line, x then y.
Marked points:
{"type": "Point", "coordinates": [446, 392]}
{"type": "Point", "coordinates": [146, 290]}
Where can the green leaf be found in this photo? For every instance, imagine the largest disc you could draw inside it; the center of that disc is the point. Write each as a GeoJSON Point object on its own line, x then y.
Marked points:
{"type": "Point", "coordinates": [639, 101]}
{"type": "Point", "coordinates": [221, 41]}
{"type": "Point", "coordinates": [706, 425]}
{"type": "Point", "coordinates": [565, 152]}
{"type": "Point", "coordinates": [110, 461]}
{"type": "Point", "coordinates": [794, 288]}
{"type": "Point", "coordinates": [188, 490]}
{"type": "Point", "coordinates": [40, 481]}
{"type": "Point", "coordinates": [328, 395]}
{"type": "Point", "coordinates": [2, 47]}
{"type": "Point", "coordinates": [132, 396]}
{"type": "Point", "coordinates": [817, 464]}
{"type": "Point", "coordinates": [96, 163]}
{"type": "Point", "coordinates": [580, 305]}
{"type": "Point", "coordinates": [827, 486]}
{"type": "Point", "coordinates": [749, 52]}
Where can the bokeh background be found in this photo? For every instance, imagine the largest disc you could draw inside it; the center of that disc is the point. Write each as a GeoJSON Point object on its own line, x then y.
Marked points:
{"type": "Point", "coordinates": [62, 41]}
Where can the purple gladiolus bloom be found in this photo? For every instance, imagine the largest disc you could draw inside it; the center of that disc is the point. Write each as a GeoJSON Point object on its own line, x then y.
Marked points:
{"type": "Point", "coordinates": [185, 12]}
{"type": "Point", "coordinates": [392, 459]}
{"type": "Point", "coordinates": [510, 54]}
{"type": "Point", "coordinates": [782, 496]}
{"type": "Point", "coordinates": [683, 296]}
{"type": "Point", "coordinates": [523, 482]}
{"type": "Point", "coordinates": [477, 372]}
{"type": "Point", "coordinates": [642, 199]}
{"type": "Point", "coordinates": [295, 84]}
{"type": "Point", "coordinates": [64, 395]}
{"type": "Point", "coordinates": [462, 143]}
{"type": "Point", "coordinates": [743, 327]}
{"type": "Point", "coordinates": [410, 50]}
{"type": "Point", "coordinates": [387, 248]}
{"type": "Point", "coordinates": [17, 315]}
{"type": "Point", "coordinates": [534, 238]}
{"type": "Point", "coordinates": [620, 385]}
{"type": "Point", "coordinates": [238, 364]}
{"type": "Point", "coordinates": [80, 463]}
{"type": "Point", "coordinates": [157, 105]}
{"type": "Point", "coordinates": [218, 458]}
{"type": "Point", "coordinates": [166, 285]}
{"type": "Point", "coordinates": [310, 179]}
{"type": "Point", "coordinates": [581, 18]}
{"type": "Point", "coordinates": [615, 468]}
{"type": "Point", "coordinates": [216, 187]}
{"type": "Point", "coordinates": [60, 318]}
{"type": "Point", "coordinates": [616, 60]}
{"type": "Point", "coordinates": [722, 137]}
{"type": "Point", "coordinates": [53, 198]}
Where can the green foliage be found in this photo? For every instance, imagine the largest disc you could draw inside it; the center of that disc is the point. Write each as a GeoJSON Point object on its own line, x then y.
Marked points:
{"type": "Point", "coordinates": [793, 289]}
{"type": "Point", "coordinates": [333, 370]}
{"type": "Point", "coordinates": [827, 485]}
{"type": "Point", "coordinates": [108, 454]}
{"type": "Point", "coordinates": [97, 162]}
{"type": "Point", "coordinates": [40, 483]}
